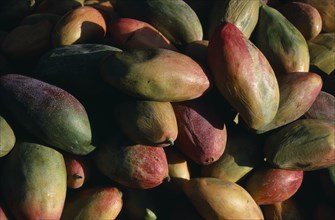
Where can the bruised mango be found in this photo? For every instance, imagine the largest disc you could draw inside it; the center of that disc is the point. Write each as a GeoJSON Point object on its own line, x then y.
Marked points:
{"type": "Point", "coordinates": [243, 75]}
{"type": "Point", "coordinates": [33, 181]}
{"type": "Point", "coordinates": [147, 122]}
{"type": "Point", "coordinates": [48, 112]}
{"type": "Point", "coordinates": [155, 74]}
{"type": "Point", "coordinates": [306, 144]}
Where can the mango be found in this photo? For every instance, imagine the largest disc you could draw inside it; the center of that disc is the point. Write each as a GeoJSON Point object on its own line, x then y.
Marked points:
{"type": "Point", "coordinates": [132, 33]}
{"type": "Point", "coordinates": [176, 20]}
{"type": "Point", "coordinates": [59, 7]}
{"type": "Point", "coordinates": [305, 144]}
{"type": "Point", "coordinates": [74, 68]}
{"type": "Point", "coordinates": [265, 184]}
{"type": "Point", "coordinates": [147, 122]}
{"type": "Point", "coordinates": [322, 108]}
{"type": "Point", "coordinates": [7, 137]}
{"type": "Point", "coordinates": [288, 209]}
{"type": "Point", "coordinates": [327, 12]}
{"type": "Point", "coordinates": [281, 42]}
{"type": "Point", "coordinates": [33, 181]}
{"type": "Point", "coordinates": [94, 203]}
{"type": "Point", "coordinates": [49, 113]}
{"type": "Point", "coordinates": [81, 25]}
{"type": "Point", "coordinates": [132, 165]}
{"type": "Point", "coordinates": [298, 91]}
{"type": "Point", "coordinates": [243, 14]}
{"type": "Point", "coordinates": [155, 74]}
{"type": "Point", "coordinates": [304, 17]}
{"type": "Point", "coordinates": [202, 133]}
{"type": "Point", "coordinates": [240, 157]}
{"type": "Point", "coordinates": [243, 76]}
{"type": "Point", "coordinates": [219, 199]}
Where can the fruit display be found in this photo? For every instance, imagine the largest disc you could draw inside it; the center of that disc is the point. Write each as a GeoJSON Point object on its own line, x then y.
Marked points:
{"type": "Point", "coordinates": [167, 109]}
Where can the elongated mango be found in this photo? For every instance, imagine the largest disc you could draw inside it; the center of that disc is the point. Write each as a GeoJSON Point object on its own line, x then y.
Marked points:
{"type": "Point", "coordinates": [306, 144]}
{"type": "Point", "coordinates": [48, 112]}
{"type": "Point", "coordinates": [281, 42]}
{"type": "Point", "coordinates": [219, 199]}
{"type": "Point", "coordinates": [243, 14]}
{"type": "Point", "coordinates": [243, 75]}
{"type": "Point", "coordinates": [33, 181]}
{"type": "Point", "coordinates": [155, 74]}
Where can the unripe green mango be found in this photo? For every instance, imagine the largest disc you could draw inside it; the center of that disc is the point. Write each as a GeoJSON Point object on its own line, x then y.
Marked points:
{"type": "Point", "coordinates": [74, 68]}
{"type": "Point", "coordinates": [155, 74]}
{"type": "Point", "coordinates": [7, 137]}
{"type": "Point", "coordinates": [48, 112]}
{"type": "Point", "coordinates": [306, 144]}
{"type": "Point", "coordinates": [147, 122]}
{"type": "Point", "coordinates": [281, 42]}
{"type": "Point", "coordinates": [176, 20]}
{"type": "Point", "coordinates": [33, 181]}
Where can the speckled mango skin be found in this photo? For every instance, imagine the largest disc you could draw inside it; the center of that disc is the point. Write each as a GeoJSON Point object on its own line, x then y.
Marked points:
{"type": "Point", "coordinates": [33, 181]}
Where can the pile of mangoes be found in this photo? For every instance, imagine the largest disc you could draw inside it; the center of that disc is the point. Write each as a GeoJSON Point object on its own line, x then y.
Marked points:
{"type": "Point", "coordinates": [167, 109]}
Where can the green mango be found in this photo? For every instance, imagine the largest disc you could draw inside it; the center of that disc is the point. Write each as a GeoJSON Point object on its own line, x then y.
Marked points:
{"type": "Point", "coordinates": [243, 14]}
{"type": "Point", "coordinates": [281, 42]}
{"type": "Point", "coordinates": [74, 68]}
{"type": "Point", "coordinates": [155, 74]}
{"type": "Point", "coordinates": [48, 112]}
{"type": "Point", "coordinates": [305, 144]}
{"type": "Point", "coordinates": [33, 181]}
{"type": "Point", "coordinates": [176, 20]}
{"type": "Point", "coordinates": [7, 137]}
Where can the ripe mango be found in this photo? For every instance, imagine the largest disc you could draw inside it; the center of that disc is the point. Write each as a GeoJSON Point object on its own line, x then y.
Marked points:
{"type": "Point", "coordinates": [7, 137]}
{"type": "Point", "coordinates": [219, 199]}
{"type": "Point", "coordinates": [93, 203]}
{"type": "Point", "coordinates": [147, 122]}
{"type": "Point", "coordinates": [281, 42]}
{"type": "Point", "coordinates": [49, 113]}
{"type": "Point", "coordinates": [134, 166]}
{"type": "Point", "coordinates": [33, 181]}
{"type": "Point", "coordinates": [305, 144]}
{"type": "Point", "coordinates": [322, 108]}
{"type": "Point", "coordinates": [202, 133]}
{"type": "Point", "coordinates": [243, 76]}
{"type": "Point", "coordinates": [155, 74]}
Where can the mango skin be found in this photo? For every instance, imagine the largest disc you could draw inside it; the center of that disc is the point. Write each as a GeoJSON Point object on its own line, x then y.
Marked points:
{"type": "Point", "coordinates": [94, 203]}
{"type": "Point", "coordinates": [305, 144]}
{"type": "Point", "coordinates": [155, 74]}
{"type": "Point", "coordinates": [202, 133]}
{"type": "Point", "coordinates": [40, 108]}
{"type": "Point", "coordinates": [33, 181]}
{"type": "Point", "coordinates": [243, 76]}
{"type": "Point", "coordinates": [7, 137]}
{"type": "Point", "coordinates": [134, 166]}
{"type": "Point", "coordinates": [219, 199]}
